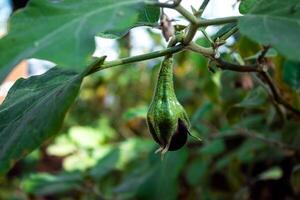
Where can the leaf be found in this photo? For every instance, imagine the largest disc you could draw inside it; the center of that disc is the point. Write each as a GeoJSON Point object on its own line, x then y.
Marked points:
{"type": "Point", "coordinates": [134, 179]}
{"type": "Point", "coordinates": [164, 183]}
{"type": "Point", "coordinates": [196, 171]}
{"type": "Point", "coordinates": [270, 54]}
{"type": "Point", "coordinates": [274, 173]}
{"type": "Point", "coordinates": [255, 99]}
{"type": "Point", "coordinates": [105, 165]}
{"type": "Point", "coordinates": [47, 184]}
{"type": "Point", "coordinates": [225, 29]}
{"type": "Point", "coordinates": [214, 147]}
{"type": "Point", "coordinates": [275, 23]}
{"type": "Point", "coordinates": [246, 6]}
{"type": "Point", "coordinates": [245, 153]}
{"type": "Point", "coordinates": [63, 31]}
{"type": "Point", "coordinates": [291, 74]}
{"type": "Point", "coordinates": [33, 112]}
{"type": "Point", "coordinates": [156, 179]}
{"type": "Point", "coordinates": [85, 137]}
{"type": "Point", "coordinates": [290, 133]}
{"type": "Point", "coordinates": [246, 47]}
{"type": "Point", "coordinates": [136, 112]}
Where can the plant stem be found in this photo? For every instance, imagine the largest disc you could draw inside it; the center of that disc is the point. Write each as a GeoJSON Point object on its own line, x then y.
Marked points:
{"type": "Point", "coordinates": [224, 65]}
{"type": "Point", "coordinates": [147, 56]}
{"type": "Point", "coordinates": [264, 75]}
{"type": "Point", "coordinates": [205, 34]}
{"type": "Point", "coordinates": [202, 7]}
{"type": "Point", "coordinates": [199, 49]}
{"type": "Point", "coordinates": [194, 25]}
{"type": "Point", "coordinates": [218, 21]}
{"type": "Point", "coordinates": [192, 30]}
{"type": "Point", "coordinates": [185, 13]}
{"type": "Point", "coordinates": [276, 93]}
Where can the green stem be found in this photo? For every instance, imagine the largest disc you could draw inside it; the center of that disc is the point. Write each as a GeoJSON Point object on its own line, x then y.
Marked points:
{"type": "Point", "coordinates": [185, 13]}
{"type": "Point", "coordinates": [147, 56]}
{"type": "Point", "coordinates": [201, 50]}
{"type": "Point", "coordinates": [202, 7]}
{"type": "Point", "coordinates": [195, 24]}
{"type": "Point", "coordinates": [218, 21]}
{"type": "Point", "coordinates": [207, 36]}
{"type": "Point", "coordinates": [192, 30]}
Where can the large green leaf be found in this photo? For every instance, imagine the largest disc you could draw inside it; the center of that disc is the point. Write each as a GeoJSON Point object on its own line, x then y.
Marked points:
{"type": "Point", "coordinates": [276, 23]}
{"type": "Point", "coordinates": [33, 111]}
{"type": "Point", "coordinates": [63, 31]}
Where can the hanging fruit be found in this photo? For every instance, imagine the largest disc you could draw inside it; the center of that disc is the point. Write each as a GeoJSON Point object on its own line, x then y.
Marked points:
{"type": "Point", "coordinates": [167, 120]}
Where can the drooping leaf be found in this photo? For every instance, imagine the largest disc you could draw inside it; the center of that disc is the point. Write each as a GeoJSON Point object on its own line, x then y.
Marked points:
{"type": "Point", "coordinates": [33, 112]}
{"type": "Point", "coordinates": [275, 23]}
{"type": "Point", "coordinates": [63, 31]}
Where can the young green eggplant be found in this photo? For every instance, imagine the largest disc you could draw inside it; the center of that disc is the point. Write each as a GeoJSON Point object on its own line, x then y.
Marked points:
{"type": "Point", "coordinates": [167, 120]}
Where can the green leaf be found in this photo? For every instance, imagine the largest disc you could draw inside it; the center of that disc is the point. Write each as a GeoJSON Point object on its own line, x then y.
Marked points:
{"type": "Point", "coordinates": [105, 165]}
{"type": "Point", "coordinates": [133, 179]}
{"type": "Point", "coordinates": [214, 147]}
{"type": "Point", "coordinates": [63, 31]}
{"type": "Point", "coordinates": [136, 112]}
{"type": "Point", "coordinates": [270, 54]}
{"type": "Point", "coordinates": [246, 6]}
{"type": "Point", "coordinates": [156, 179]}
{"type": "Point", "coordinates": [33, 112]}
{"type": "Point", "coordinates": [275, 23]}
{"type": "Point", "coordinates": [246, 47]}
{"type": "Point", "coordinates": [291, 74]}
{"type": "Point", "coordinates": [197, 170]}
{"type": "Point", "coordinates": [290, 133]}
{"type": "Point", "coordinates": [225, 29]}
{"type": "Point", "coordinates": [256, 98]}
{"type": "Point", "coordinates": [274, 173]}
{"type": "Point", "coordinates": [164, 183]}
{"type": "Point", "coordinates": [47, 184]}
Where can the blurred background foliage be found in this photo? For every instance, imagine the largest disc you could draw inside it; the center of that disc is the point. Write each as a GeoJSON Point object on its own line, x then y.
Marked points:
{"type": "Point", "coordinates": [104, 150]}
